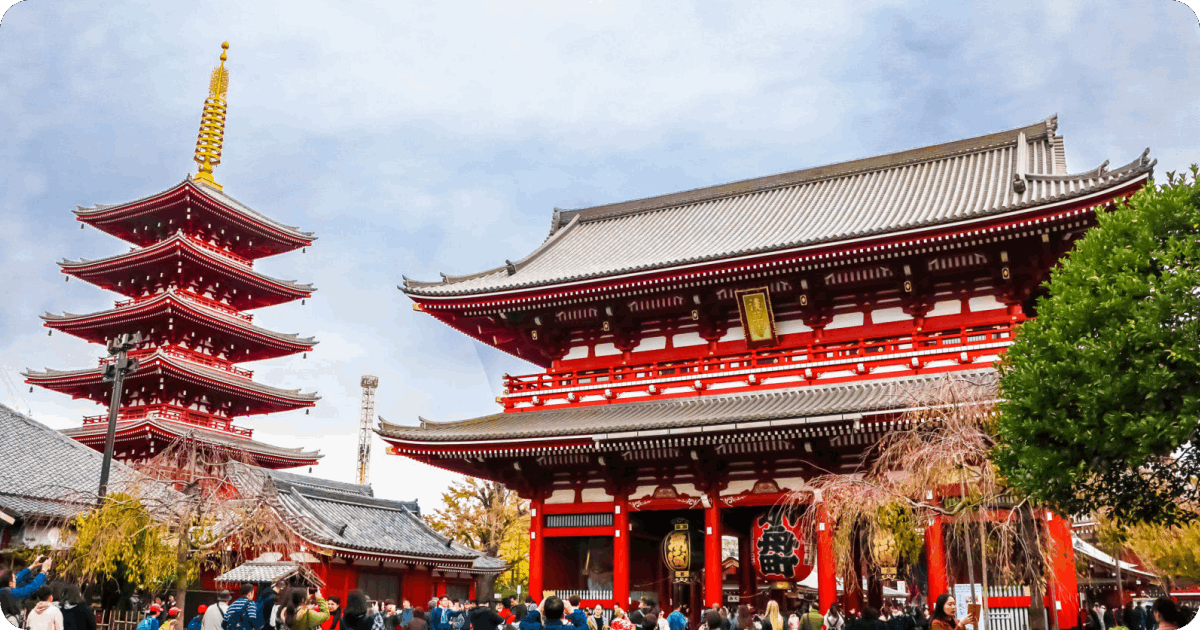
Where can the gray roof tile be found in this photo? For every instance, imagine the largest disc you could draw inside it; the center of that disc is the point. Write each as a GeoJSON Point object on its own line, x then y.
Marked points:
{"type": "Point", "coordinates": [706, 411]}
{"type": "Point", "coordinates": [917, 188]}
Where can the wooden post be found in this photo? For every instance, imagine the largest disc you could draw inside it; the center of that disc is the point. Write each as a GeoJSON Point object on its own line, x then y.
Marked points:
{"type": "Point", "coordinates": [826, 567]}
{"type": "Point", "coordinates": [537, 549]}
{"type": "Point", "coordinates": [713, 573]}
{"type": "Point", "coordinates": [621, 579]}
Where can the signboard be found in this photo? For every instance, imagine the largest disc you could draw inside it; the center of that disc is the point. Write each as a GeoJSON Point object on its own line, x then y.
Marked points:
{"type": "Point", "coordinates": [780, 552]}
{"type": "Point", "coordinates": [758, 320]}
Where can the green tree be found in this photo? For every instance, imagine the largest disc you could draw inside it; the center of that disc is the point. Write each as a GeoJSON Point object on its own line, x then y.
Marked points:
{"type": "Point", "coordinates": [1101, 393]}
{"type": "Point", "coordinates": [122, 541]}
{"type": "Point", "coordinates": [488, 517]}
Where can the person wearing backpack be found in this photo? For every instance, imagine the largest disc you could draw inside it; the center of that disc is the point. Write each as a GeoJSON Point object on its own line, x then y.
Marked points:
{"type": "Point", "coordinates": [152, 621]}
{"type": "Point", "coordinates": [811, 619]}
{"type": "Point", "coordinates": [214, 617]}
{"type": "Point", "coordinates": [196, 622]}
{"type": "Point", "coordinates": [242, 614]}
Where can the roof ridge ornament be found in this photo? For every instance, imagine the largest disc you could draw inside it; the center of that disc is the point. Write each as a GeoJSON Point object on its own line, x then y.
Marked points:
{"type": "Point", "coordinates": [212, 123]}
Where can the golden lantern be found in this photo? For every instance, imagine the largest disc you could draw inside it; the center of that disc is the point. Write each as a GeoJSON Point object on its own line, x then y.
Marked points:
{"type": "Point", "coordinates": [886, 552]}
{"type": "Point", "coordinates": [678, 549]}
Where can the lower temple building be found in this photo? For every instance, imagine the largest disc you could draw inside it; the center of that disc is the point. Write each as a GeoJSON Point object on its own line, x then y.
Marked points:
{"type": "Point", "coordinates": [706, 353]}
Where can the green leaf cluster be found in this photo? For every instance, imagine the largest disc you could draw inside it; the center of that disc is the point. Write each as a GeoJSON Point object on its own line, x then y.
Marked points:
{"type": "Point", "coordinates": [122, 541]}
{"type": "Point", "coordinates": [1101, 393]}
{"type": "Point", "coordinates": [900, 520]}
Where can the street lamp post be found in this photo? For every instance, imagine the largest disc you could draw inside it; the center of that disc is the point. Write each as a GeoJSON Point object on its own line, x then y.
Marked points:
{"type": "Point", "coordinates": [116, 371]}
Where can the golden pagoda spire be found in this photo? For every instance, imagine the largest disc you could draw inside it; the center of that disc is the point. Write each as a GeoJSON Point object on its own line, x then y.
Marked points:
{"type": "Point", "coordinates": [212, 123]}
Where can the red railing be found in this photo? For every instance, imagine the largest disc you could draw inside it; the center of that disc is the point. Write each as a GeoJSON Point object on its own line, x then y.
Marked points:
{"type": "Point", "coordinates": [186, 355]}
{"type": "Point", "coordinates": [191, 297]}
{"type": "Point", "coordinates": [814, 359]}
{"type": "Point", "coordinates": [246, 262]}
{"type": "Point", "coordinates": [175, 413]}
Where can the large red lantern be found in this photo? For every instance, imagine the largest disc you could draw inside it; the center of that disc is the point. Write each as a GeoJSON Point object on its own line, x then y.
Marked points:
{"type": "Point", "coordinates": [781, 550]}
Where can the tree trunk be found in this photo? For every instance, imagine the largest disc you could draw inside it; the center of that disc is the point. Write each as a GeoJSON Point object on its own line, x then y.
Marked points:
{"type": "Point", "coordinates": [1035, 569]}
{"type": "Point", "coordinates": [983, 538]}
{"type": "Point", "coordinates": [485, 587]}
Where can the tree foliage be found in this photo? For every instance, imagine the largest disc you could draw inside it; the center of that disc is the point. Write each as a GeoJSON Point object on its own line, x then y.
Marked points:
{"type": "Point", "coordinates": [1101, 393]}
{"type": "Point", "coordinates": [122, 541]}
{"type": "Point", "coordinates": [1173, 552]}
{"type": "Point", "coordinates": [488, 517]}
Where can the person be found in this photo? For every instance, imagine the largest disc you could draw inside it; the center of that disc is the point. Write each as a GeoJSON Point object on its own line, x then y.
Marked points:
{"type": "Point", "coordinates": [266, 603]}
{"type": "Point", "coordinates": [900, 620]}
{"type": "Point", "coordinates": [677, 620]}
{"type": "Point", "coordinates": [77, 615]}
{"type": "Point", "coordinates": [45, 615]}
{"type": "Point", "coordinates": [21, 585]}
{"type": "Point", "coordinates": [335, 612]}
{"type": "Point", "coordinates": [484, 617]}
{"type": "Point", "coordinates": [713, 620]}
{"type": "Point", "coordinates": [1110, 620]}
{"type": "Point", "coordinates": [519, 611]}
{"type": "Point", "coordinates": [152, 621]}
{"type": "Point", "coordinates": [391, 616]}
{"type": "Point", "coordinates": [358, 615]}
{"type": "Point", "coordinates": [596, 620]}
{"type": "Point", "coordinates": [1137, 616]}
{"type": "Point", "coordinates": [532, 619]}
{"type": "Point", "coordinates": [1167, 614]}
{"type": "Point", "coordinates": [1095, 618]}
{"type": "Point", "coordinates": [215, 615]}
{"type": "Point", "coordinates": [576, 615]}
{"type": "Point", "coordinates": [243, 613]}
{"type": "Point", "coordinates": [772, 620]}
{"type": "Point", "coordinates": [406, 612]}
{"type": "Point", "coordinates": [198, 621]}
{"type": "Point", "coordinates": [869, 620]}
{"type": "Point", "coordinates": [172, 619]}
{"type": "Point", "coordinates": [650, 621]}
{"type": "Point", "coordinates": [620, 620]}
{"type": "Point", "coordinates": [303, 608]}
{"type": "Point", "coordinates": [418, 620]}
{"type": "Point", "coordinates": [810, 619]}
{"type": "Point", "coordinates": [945, 613]}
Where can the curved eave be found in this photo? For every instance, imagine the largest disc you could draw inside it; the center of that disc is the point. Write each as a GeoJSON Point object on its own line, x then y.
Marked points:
{"type": "Point", "coordinates": [167, 303]}
{"type": "Point", "coordinates": [81, 381]}
{"type": "Point", "coordinates": [110, 218]}
{"type": "Point", "coordinates": [177, 246]}
{"type": "Point", "coordinates": [265, 455]}
{"type": "Point", "coordinates": [421, 291]}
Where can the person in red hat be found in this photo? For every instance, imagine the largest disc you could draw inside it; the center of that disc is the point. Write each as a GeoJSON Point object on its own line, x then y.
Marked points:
{"type": "Point", "coordinates": [172, 619]}
{"type": "Point", "coordinates": [196, 621]}
{"type": "Point", "coordinates": [152, 621]}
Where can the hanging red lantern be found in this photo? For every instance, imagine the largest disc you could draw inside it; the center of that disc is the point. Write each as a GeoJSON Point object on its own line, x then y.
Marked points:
{"type": "Point", "coordinates": [781, 550]}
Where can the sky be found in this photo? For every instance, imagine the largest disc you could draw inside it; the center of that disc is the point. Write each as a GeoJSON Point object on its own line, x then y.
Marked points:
{"type": "Point", "coordinates": [424, 137]}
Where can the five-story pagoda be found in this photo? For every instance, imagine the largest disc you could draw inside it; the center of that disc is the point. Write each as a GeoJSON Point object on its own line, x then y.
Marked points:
{"type": "Point", "coordinates": [187, 283]}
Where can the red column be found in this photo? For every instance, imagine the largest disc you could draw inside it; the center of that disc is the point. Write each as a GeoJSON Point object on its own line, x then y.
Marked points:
{"type": "Point", "coordinates": [536, 549]}
{"type": "Point", "coordinates": [621, 552]}
{"type": "Point", "coordinates": [935, 560]}
{"type": "Point", "coordinates": [714, 574]}
{"type": "Point", "coordinates": [826, 568]}
{"type": "Point", "coordinates": [748, 580]}
{"type": "Point", "coordinates": [1064, 587]}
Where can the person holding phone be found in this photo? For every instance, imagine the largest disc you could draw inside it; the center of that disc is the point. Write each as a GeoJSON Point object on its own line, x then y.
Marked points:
{"type": "Point", "coordinates": [945, 613]}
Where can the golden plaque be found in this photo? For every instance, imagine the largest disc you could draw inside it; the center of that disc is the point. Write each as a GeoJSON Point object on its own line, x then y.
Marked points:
{"type": "Point", "coordinates": [758, 320]}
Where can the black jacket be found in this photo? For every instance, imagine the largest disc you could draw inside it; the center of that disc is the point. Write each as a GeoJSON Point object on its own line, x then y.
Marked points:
{"type": "Point", "coordinates": [79, 617]}
{"type": "Point", "coordinates": [484, 618]}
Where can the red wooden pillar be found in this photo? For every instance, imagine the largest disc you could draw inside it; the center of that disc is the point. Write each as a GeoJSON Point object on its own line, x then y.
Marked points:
{"type": "Point", "coordinates": [826, 568]}
{"type": "Point", "coordinates": [1064, 586]}
{"type": "Point", "coordinates": [747, 578]}
{"type": "Point", "coordinates": [537, 549]}
{"type": "Point", "coordinates": [713, 571]}
{"type": "Point", "coordinates": [935, 560]}
{"type": "Point", "coordinates": [621, 577]}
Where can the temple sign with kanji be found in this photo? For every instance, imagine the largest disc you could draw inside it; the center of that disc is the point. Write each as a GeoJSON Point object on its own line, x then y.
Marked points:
{"type": "Point", "coordinates": [704, 353]}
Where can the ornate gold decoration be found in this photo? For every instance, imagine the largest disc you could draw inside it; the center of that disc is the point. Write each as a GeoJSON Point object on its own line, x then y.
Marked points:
{"type": "Point", "coordinates": [212, 123]}
{"type": "Point", "coordinates": [758, 318]}
{"type": "Point", "coordinates": [677, 550]}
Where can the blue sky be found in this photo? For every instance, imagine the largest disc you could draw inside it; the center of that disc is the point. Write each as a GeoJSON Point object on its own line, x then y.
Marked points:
{"type": "Point", "coordinates": [415, 138]}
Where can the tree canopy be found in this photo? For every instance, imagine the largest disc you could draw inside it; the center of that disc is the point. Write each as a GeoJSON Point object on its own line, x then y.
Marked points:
{"type": "Point", "coordinates": [488, 517]}
{"type": "Point", "coordinates": [1101, 393]}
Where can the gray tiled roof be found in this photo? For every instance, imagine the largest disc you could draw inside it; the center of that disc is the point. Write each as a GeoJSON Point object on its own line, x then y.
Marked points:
{"type": "Point", "coordinates": [911, 189]}
{"type": "Point", "coordinates": [46, 474]}
{"type": "Point", "coordinates": [202, 434]}
{"type": "Point", "coordinates": [256, 572]}
{"type": "Point", "coordinates": [341, 516]}
{"type": "Point", "coordinates": [714, 411]}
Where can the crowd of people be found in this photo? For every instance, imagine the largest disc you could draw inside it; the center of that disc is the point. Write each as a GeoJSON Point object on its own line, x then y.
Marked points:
{"type": "Point", "coordinates": [28, 599]}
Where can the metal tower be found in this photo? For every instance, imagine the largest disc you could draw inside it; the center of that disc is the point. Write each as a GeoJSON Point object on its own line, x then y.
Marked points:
{"type": "Point", "coordinates": [369, 383]}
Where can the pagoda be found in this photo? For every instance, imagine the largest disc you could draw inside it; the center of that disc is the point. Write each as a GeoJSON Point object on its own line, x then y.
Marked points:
{"type": "Point", "coordinates": [706, 353]}
{"type": "Point", "coordinates": [187, 283]}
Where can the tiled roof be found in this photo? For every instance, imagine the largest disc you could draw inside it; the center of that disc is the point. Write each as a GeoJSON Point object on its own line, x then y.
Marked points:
{"type": "Point", "coordinates": [942, 184]}
{"type": "Point", "coordinates": [713, 412]}
{"type": "Point", "coordinates": [257, 572]}
{"type": "Point", "coordinates": [158, 362]}
{"type": "Point", "coordinates": [85, 267]}
{"type": "Point", "coordinates": [44, 473]}
{"type": "Point", "coordinates": [202, 434]}
{"type": "Point", "coordinates": [340, 516]}
{"type": "Point", "coordinates": [211, 193]}
{"type": "Point", "coordinates": [329, 484]}
{"type": "Point", "coordinates": [172, 295]}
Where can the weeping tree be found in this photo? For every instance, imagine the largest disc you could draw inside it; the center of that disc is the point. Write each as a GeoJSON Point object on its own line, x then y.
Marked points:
{"type": "Point", "coordinates": [193, 507]}
{"type": "Point", "coordinates": [878, 515]}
